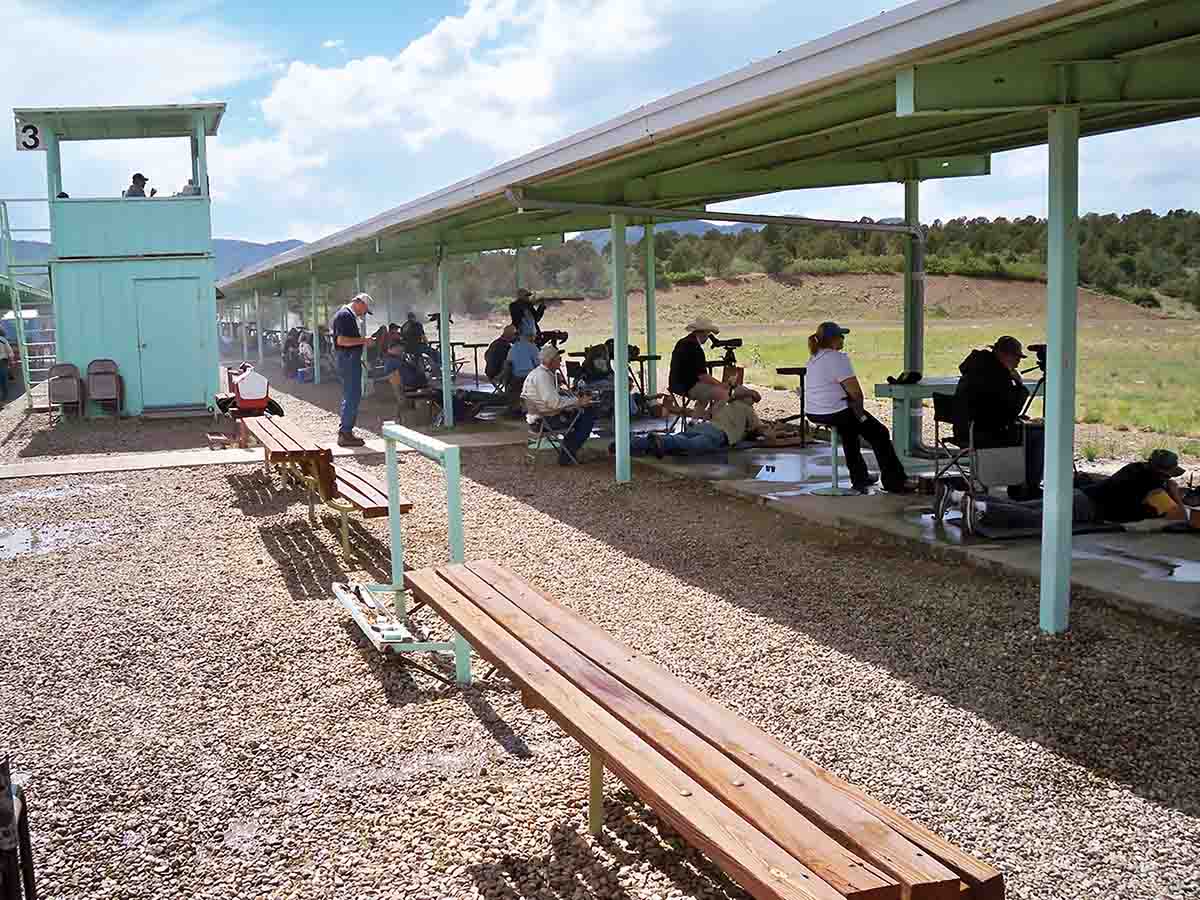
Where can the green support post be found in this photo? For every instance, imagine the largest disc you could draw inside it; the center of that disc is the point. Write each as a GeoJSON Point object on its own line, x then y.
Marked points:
{"type": "Point", "coordinates": [53, 164]}
{"type": "Point", "coordinates": [620, 348]}
{"type": "Point", "coordinates": [242, 328]}
{"type": "Point", "coordinates": [397, 536]}
{"type": "Point", "coordinates": [452, 463]}
{"type": "Point", "coordinates": [258, 325]}
{"type": "Point", "coordinates": [445, 346]}
{"type": "Point", "coordinates": [201, 163]}
{"type": "Point", "coordinates": [366, 367]}
{"type": "Point", "coordinates": [1062, 290]}
{"type": "Point", "coordinates": [316, 337]}
{"type": "Point", "coordinates": [651, 314]}
{"type": "Point", "coordinates": [906, 413]}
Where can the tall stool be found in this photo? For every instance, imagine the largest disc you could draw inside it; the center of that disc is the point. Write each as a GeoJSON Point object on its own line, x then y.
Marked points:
{"type": "Point", "coordinates": [835, 489]}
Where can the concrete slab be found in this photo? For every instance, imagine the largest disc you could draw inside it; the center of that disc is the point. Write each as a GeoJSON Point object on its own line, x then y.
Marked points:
{"type": "Point", "coordinates": [1141, 569]}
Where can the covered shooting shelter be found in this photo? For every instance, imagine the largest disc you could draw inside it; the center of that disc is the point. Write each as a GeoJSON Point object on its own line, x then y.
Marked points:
{"type": "Point", "coordinates": [132, 277]}
{"type": "Point", "coordinates": [928, 90]}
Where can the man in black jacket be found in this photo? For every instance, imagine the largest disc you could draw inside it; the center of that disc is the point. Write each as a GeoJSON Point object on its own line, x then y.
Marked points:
{"type": "Point", "coordinates": [526, 315]}
{"type": "Point", "coordinates": [992, 395]}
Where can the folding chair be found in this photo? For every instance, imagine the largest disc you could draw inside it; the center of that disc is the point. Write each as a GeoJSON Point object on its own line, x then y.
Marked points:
{"type": "Point", "coordinates": [682, 405]}
{"type": "Point", "coordinates": [64, 388]}
{"type": "Point", "coordinates": [944, 408]}
{"type": "Point", "coordinates": [985, 467]}
{"type": "Point", "coordinates": [540, 431]}
{"type": "Point", "coordinates": [105, 385]}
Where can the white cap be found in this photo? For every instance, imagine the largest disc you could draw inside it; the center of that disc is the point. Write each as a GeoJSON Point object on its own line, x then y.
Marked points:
{"type": "Point", "coordinates": [702, 323]}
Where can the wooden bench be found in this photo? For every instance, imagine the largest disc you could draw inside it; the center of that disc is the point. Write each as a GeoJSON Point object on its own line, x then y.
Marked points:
{"type": "Point", "coordinates": [777, 823]}
{"type": "Point", "coordinates": [298, 457]}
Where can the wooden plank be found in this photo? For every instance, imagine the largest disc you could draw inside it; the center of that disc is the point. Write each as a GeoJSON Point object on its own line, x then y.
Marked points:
{"type": "Point", "coordinates": [729, 782]}
{"type": "Point", "coordinates": [364, 493]}
{"type": "Point", "coordinates": [756, 862]}
{"type": "Point", "coordinates": [905, 850]}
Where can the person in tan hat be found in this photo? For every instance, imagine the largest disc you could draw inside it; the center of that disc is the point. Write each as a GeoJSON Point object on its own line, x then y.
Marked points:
{"type": "Point", "coordinates": [689, 376]}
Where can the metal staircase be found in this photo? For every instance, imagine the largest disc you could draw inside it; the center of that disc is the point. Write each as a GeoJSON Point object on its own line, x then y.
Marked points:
{"type": "Point", "coordinates": [33, 310]}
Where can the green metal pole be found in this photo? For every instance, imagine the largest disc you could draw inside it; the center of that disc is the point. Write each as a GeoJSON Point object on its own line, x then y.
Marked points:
{"type": "Point", "coordinates": [242, 326]}
{"type": "Point", "coordinates": [397, 536]}
{"type": "Point", "coordinates": [452, 463]}
{"type": "Point", "coordinates": [1062, 290]}
{"type": "Point", "coordinates": [201, 153]}
{"type": "Point", "coordinates": [651, 313]}
{"type": "Point", "coordinates": [443, 298]}
{"type": "Point", "coordinates": [620, 348]}
{"type": "Point", "coordinates": [906, 413]}
{"type": "Point", "coordinates": [316, 337]}
{"type": "Point", "coordinates": [53, 165]}
{"type": "Point", "coordinates": [366, 381]}
{"type": "Point", "coordinates": [258, 325]}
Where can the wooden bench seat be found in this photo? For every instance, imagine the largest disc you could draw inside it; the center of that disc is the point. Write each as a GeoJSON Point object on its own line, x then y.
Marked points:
{"type": "Point", "coordinates": [773, 820]}
{"type": "Point", "coordinates": [369, 497]}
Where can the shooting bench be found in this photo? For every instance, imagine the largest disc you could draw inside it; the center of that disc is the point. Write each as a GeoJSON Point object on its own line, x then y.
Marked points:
{"type": "Point", "coordinates": [774, 821]}
{"type": "Point", "coordinates": [302, 461]}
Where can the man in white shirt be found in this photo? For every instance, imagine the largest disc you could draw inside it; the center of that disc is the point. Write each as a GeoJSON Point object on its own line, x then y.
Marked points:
{"type": "Point", "coordinates": [6, 361]}
{"type": "Point", "coordinates": [544, 399]}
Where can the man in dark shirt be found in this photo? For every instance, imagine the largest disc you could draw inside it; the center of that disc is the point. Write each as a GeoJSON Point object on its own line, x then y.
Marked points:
{"type": "Point", "coordinates": [497, 353]}
{"type": "Point", "coordinates": [1140, 490]}
{"type": "Point", "coordinates": [689, 375]}
{"type": "Point", "coordinates": [526, 315]}
{"type": "Point", "coordinates": [349, 343]}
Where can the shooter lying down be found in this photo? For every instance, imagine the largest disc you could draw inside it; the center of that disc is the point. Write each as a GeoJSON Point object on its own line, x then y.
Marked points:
{"type": "Point", "coordinates": [732, 423]}
{"type": "Point", "coordinates": [1140, 490]}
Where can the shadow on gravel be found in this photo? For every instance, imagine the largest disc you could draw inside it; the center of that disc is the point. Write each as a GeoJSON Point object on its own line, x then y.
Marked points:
{"type": "Point", "coordinates": [1112, 695]}
{"type": "Point", "coordinates": [70, 436]}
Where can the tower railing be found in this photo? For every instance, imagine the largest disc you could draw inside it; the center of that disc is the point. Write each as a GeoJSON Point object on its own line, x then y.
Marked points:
{"type": "Point", "coordinates": [15, 287]}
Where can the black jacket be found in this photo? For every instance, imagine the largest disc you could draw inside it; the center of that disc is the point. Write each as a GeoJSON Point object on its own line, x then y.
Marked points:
{"type": "Point", "coordinates": [517, 308]}
{"type": "Point", "coordinates": [992, 397]}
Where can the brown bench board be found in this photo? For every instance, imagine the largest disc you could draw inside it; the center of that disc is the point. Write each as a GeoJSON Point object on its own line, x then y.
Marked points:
{"type": "Point", "coordinates": [279, 441]}
{"type": "Point", "coordinates": [368, 496]}
{"type": "Point", "coordinates": [760, 865]}
{"type": "Point", "coordinates": [738, 789]}
{"type": "Point", "coordinates": [903, 848]}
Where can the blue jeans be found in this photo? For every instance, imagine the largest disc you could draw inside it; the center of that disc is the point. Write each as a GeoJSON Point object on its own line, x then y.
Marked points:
{"type": "Point", "coordinates": [349, 367]}
{"type": "Point", "coordinates": [704, 437]}
{"type": "Point", "coordinates": [580, 432]}
{"type": "Point", "coordinates": [4, 381]}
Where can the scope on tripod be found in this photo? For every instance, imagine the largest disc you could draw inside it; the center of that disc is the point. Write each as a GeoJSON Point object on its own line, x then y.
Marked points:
{"type": "Point", "coordinates": [1040, 350]}
{"type": "Point", "coordinates": [731, 343]}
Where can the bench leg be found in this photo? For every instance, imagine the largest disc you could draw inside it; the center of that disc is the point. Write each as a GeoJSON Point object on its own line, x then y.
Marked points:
{"type": "Point", "coordinates": [345, 535]}
{"type": "Point", "coordinates": [596, 793]}
{"type": "Point", "coordinates": [312, 511]}
{"type": "Point", "coordinates": [462, 659]}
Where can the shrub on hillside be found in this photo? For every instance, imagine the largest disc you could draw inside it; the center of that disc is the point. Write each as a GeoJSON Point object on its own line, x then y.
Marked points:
{"type": "Point", "coordinates": [1143, 297]}
{"type": "Point", "coordinates": [693, 276]}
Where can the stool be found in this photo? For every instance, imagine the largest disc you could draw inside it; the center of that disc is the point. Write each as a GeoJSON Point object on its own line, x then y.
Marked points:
{"type": "Point", "coordinates": [835, 489]}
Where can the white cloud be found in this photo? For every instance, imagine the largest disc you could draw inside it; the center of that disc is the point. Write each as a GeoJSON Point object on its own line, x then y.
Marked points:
{"type": "Point", "coordinates": [490, 75]}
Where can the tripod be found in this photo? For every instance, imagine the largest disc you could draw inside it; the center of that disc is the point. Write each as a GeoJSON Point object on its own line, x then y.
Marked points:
{"type": "Point", "coordinates": [1036, 388]}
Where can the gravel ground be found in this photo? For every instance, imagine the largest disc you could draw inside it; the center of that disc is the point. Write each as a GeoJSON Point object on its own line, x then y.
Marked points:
{"type": "Point", "coordinates": [195, 717]}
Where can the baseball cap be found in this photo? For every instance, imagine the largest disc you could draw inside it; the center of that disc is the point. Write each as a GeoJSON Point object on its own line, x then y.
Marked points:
{"type": "Point", "coordinates": [1166, 462]}
{"type": "Point", "coordinates": [548, 353]}
{"type": "Point", "coordinates": [827, 330]}
{"type": "Point", "coordinates": [138, 176]}
{"type": "Point", "coordinates": [524, 293]}
{"type": "Point", "coordinates": [1009, 344]}
{"type": "Point", "coordinates": [363, 297]}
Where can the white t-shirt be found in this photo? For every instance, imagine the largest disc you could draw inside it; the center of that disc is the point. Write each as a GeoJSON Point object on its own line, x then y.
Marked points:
{"type": "Point", "coordinates": [823, 391]}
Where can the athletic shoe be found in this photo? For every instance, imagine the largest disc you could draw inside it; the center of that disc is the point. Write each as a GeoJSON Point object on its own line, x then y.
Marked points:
{"type": "Point", "coordinates": [969, 514]}
{"type": "Point", "coordinates": [941, 499]}
{"type": "Point", "coordinates": [349, 440]}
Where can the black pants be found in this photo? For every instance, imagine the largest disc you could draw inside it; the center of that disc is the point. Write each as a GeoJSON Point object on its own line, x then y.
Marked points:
{"type": "Point", "coordinates": [851, 433]}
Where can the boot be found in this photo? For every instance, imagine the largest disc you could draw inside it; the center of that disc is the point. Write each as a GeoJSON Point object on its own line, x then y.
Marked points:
{"type": "Point", "coordinates": [348, 439]}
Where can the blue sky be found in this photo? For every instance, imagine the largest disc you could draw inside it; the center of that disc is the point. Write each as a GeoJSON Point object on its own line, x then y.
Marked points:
{"type": "Point", "coordinates": [339, 111]}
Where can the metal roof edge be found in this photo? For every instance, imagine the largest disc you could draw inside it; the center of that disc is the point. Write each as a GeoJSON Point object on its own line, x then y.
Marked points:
{"type": "Point", "coordinates": [875, 44]}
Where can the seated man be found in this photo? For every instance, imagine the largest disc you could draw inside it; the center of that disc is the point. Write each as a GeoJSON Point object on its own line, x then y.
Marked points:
{"type": "Point", "coordinates": [545, 400]}
{"type": "Point", "coordinates": [733, 423]}
{"type": "Point", "coordinates": [1140, 490]}
{"type": "Point", "coordinates": [496, 354]}
{"type": "Point", "coordinates": [412, 335]}
{"type": "Point", "coordinates": [689, 375]}
{"type": "Point", "coordinates": [991, 394]}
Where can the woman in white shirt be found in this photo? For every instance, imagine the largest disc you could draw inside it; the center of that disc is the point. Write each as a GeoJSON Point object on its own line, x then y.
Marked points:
{"type": "Point", "coordinates": [834, 397]}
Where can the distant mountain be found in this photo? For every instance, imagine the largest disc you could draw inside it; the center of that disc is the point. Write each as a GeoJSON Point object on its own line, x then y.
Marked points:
{"type": "Point", "coordinates": [634, 234]}
{"type": "Point", "coordinates": [230, 255]}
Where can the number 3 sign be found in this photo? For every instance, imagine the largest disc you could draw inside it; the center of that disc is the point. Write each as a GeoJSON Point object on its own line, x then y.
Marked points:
{"type": "Point", "coordinates": [29, 136]}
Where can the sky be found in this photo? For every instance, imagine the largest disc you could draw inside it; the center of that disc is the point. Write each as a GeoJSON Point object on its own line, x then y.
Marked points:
{"type": "Point", "coordinates": [337, 112]}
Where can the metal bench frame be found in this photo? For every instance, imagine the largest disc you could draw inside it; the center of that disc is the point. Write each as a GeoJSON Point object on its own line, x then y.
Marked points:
{"type": "Point", "coordinates": [381, 610]}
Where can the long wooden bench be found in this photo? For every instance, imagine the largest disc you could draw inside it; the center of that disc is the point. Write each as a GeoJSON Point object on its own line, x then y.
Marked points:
{"type": "Point", "coordinates": [776, 822]}
{"type": "Point", "coordinates": [297, 456]}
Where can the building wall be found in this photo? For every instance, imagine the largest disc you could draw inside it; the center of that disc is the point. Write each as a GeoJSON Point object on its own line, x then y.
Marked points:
{"type": "Point", "coordinates": [109, 309]}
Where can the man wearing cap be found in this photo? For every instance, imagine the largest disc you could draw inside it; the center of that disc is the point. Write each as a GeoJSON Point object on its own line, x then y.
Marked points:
{"type": "Point", "coordinates": [496, 354]}
{"type": "Point", "coordinates": [689, 376]}
{"type": "Point", "coordinates": [545, 400]}
{"type": "Point", "coordinates": [991, 395]}
{"type": "Point", "coordinates": [137, 187]}
{"type": "Point", "coordinates": [733, 423]}
{"type": "Point", "coordinates": [1140, 490]}
{"type": "Point", "coordinates": [526, 314]}
{"type": "Point", "coordinates": [349, 343]}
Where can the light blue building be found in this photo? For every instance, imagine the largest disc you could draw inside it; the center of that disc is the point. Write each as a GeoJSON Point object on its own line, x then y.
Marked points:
{"type": "Point", "coordinates": [132, 277]}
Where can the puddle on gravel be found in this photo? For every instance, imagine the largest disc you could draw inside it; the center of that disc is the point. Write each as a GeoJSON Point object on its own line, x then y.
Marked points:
{"type": "Point", "coordinates": [1152, 566]}
{"type": "Point", "coordinates": [60, 493]}
{"type": "Point", "coordinates": [23, 541]}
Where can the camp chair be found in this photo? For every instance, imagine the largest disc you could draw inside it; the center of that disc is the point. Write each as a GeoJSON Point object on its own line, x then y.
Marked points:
{"type": "Point", "coordinates": [985, 467]}
{"type": "Point", "coordinates": [681, 407]}
{"type": "Point", "coordinates": [64, 388]}
{"type": "Point", "coordinates": [105, 386]}
{"type": "Point", "coordinates": [957, 458]}
{"type": "Point", "coordinates": [542, 432]}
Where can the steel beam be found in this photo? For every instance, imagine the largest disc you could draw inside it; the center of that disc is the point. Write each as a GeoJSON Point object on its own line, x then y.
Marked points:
{"type": "Point", "coordinates": [651, 313]}
{"type": "Point", "coordinates": [445, 346]}
{"type": "Point", "coordinates": [620, 349]}
{"type": "Point", "coordinates": [316, 337]}
{"type": "Point", "coordinates": [1062, 296]}
{"type": "Point", "coordinates": [1001, 86]}
{"type": "Point", "coordinates": [906, 414]}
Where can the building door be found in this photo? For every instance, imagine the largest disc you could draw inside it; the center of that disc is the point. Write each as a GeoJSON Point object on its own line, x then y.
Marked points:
{"type": "Point", "coordinates": [169, 345]}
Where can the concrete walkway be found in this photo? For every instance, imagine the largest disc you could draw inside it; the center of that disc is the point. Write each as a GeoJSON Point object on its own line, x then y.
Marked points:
{"type": "Point", "coordinates": [1140, 569]}
{"type": "Point", "coordinates": [89, 464]}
